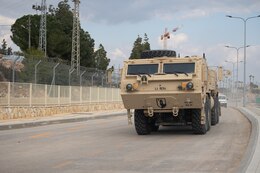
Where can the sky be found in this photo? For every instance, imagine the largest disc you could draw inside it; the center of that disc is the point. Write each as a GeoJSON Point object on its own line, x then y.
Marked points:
{"type": "Point", "coordinates": [203, 28]}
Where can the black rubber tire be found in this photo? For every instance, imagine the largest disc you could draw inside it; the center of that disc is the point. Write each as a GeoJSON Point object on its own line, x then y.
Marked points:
{"type": "Point", "coordinates": [214, 112]}
{"type": "Point", "coordinates": [197, 127]}
{"type": "Point", "coordinates": [157, 53]}
{"type": "Point", "coordinates": [142, 125]}
{"type": "Point", "coordinates": [208, 113]}
{"type": "Point", "coordinates": [219, 111]}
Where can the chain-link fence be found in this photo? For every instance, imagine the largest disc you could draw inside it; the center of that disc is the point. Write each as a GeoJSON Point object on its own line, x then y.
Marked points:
{"type": "Point", "coordinates": [54, 72]}
{"type": "Point", "coordinates": [28, 94]}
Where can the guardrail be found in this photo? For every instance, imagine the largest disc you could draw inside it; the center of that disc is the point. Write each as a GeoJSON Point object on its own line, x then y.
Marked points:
{"type": "Point", "coordinates": [28, 94]}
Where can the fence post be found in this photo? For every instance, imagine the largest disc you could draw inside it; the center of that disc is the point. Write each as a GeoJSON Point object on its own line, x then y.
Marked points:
{"type": "Point", "coordinates": [106, 95]}
{"type": "Point", "coordinates": [59, 95]}
{"type": "Point", "coordinates": [98, 95]}
{"type": "Point", "coordinates": [80, 94]}
{"type": "Point", "coordinates": [118, 95]}
{"type": "Point", "coordinates": [112, 94]}
{"type": "Point", "coordinates": [9, 93]}
{"type": "Point", "coordinates": [30, 95]}
{"type": "Point", "coordinates": [70, 94]}
{"type": "Point", "coordinates": [90, 95]}
{"type": "Point", "coordinates": [45, 95]}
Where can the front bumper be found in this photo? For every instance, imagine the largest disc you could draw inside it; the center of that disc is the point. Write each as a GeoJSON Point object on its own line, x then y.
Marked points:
{"type": "Point", "coordinates": [162, 101]}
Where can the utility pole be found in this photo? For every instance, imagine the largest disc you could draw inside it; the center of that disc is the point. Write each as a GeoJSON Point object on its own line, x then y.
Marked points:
{"type": "Point", "coordinates": [42, 33]}
{"type": "Point", "coordinates": [29, 28]}
{"type": "Point", "coordinates": [75, 52]}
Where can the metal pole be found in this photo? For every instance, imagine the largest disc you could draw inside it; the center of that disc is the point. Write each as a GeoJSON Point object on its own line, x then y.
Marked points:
{"type": "Point", "coordinates": [244, 20]}
{"type": "Point", "coordinates": [35, 71]}
{"type": "Point", "coordinates": [80, 78]}
{"type": "Point", "coordinates": [13, 75]}
{"type": "Point", "coordinates": [244, 88]}
{"type": "Point", "coordinates": [70, 72]}
{"type": "Point", "coordinates": [54, 73]}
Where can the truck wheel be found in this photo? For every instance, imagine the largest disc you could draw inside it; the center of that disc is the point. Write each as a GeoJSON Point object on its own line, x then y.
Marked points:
{"type": "Point", "coordinates": [219, 111]}
{"type": "Point", "coordinates": [142, 125]}
{"type": "Point", "coordinates": [214, 112]}
{"type": "Point", "coordinates": [197, 127]}
{"type": "Point", "coordinates": [208, 113]}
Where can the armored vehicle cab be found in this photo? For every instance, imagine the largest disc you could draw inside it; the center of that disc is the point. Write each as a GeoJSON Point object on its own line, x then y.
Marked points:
{"type": "Point", "coordinates": [166, 90]}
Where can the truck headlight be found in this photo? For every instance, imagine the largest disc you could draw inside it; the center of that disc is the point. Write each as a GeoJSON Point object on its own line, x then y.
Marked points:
{"type": "Point", "coordinates": [189, 85]}
{"type": "Point", "coordinates": [129, 87]}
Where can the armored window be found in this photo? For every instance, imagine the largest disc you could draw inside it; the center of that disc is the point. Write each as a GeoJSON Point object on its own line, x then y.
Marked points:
{"type": "Point", "coordinates": [135, 69]}
{"type": "Point", "coordinates": [171, 68]}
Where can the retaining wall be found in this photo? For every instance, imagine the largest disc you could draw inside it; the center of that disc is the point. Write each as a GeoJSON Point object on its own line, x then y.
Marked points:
{"type": "Point", "coordinates": [7, 113]}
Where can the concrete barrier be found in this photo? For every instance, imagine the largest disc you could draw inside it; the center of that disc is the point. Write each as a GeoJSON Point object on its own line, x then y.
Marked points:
{"type": "Point", "coordinates": [8, 113]}
{"type": "Point", "coordinates": [251, 160]}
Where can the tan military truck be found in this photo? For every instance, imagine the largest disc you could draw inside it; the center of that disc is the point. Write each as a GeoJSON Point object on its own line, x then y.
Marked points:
{"type": "Point", "coordinates": [167, 90]}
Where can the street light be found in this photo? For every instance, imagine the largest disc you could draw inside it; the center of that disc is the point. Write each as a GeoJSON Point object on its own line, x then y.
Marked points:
{"type": "Point", "coordinates": [233, 71]}
{"type": "Point", "coordinates": [237, 49]}
{"type": "Point", "coordinates": [244, 20]}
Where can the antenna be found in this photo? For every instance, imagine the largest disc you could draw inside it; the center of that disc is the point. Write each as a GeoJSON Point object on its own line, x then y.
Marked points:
{"type": "Point", "coordinates": [75, 52]}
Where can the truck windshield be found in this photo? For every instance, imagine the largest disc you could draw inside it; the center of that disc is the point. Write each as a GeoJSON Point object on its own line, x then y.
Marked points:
{"type": "Point", "coordinates": [135, 69]}
{"type": "Point", "coordinates": [184, 68]}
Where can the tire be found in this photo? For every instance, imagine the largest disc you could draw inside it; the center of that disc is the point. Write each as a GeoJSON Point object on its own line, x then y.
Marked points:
{"type": "Point", "coordinates": [197, 127]}
{"type": "Point", "coordinates": [214, 112]}
{"type": "Point", "coordinates": [157, 53]}
{"type": "Point", "coordinates": [208, 113]}
{"type": "Point", "coordinates": [142, 125]}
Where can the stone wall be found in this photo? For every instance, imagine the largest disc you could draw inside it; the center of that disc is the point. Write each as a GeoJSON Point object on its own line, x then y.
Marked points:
{"type": "Point", "coordinates": [30, 112]}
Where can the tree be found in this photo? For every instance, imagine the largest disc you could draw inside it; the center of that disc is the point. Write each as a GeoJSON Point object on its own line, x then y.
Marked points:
{"type": "Point", "coordinates": [3, 47]}
{"type": "Point", "coordinates": [139, 46]}
{"type": "Point", "coordinates": [59, 35]}
{"type": "Point", "coordinates": [9, 51]}
{"type": "Point", "coordinates": [101, 59]}
{"type": "Point", "coordinates": [146, 44]}
{"type": "Point", "coordinates": [137, 49]}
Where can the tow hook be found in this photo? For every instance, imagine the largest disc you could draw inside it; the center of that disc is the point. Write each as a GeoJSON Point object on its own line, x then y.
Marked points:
{"type": "Point", "coordinates": [150, 111]}
{"type": "Point", "coordinates": [175, 111]}
{"type": "Point", "coordinates": [129, 115]}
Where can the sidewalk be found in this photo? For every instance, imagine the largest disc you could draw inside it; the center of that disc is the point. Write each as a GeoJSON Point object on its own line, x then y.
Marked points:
{"type": "Point", "coordinates": [64, 118]}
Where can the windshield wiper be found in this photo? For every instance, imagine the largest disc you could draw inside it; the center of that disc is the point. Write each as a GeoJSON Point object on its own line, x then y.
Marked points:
{"type": "Point", "coordinates": [144, 73]}
{"type": "Point", "coordinates": [172, 72]}
{"type": "Point", "coordinates": [175, 72]}
{"type": "Point", "coordinates": [139, 74]}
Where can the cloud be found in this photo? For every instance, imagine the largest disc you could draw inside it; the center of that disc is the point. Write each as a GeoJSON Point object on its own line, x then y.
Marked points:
{"type": "Point", "coordinates": [194, 14]}
{"type": "Point", "coordinates": [117, 56]}
{"type": "Point", "coordinates": [134, 11]}
{"type": "Point", "coordinates": [6, 20]}
{"type": "Point", "coordinates": [117, 53]}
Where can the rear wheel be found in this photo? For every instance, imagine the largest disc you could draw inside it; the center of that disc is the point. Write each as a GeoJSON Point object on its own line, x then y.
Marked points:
{"type": "Point", "coordinates": [142, 125]}
{"type": "Point", "coordinates": [214, 112]}
{"type": "Point", "coordinates": [197, 127]}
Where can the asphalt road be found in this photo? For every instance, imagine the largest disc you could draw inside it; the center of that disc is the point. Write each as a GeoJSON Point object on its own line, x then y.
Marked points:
{"type": "Point", "coordinates": [111, 146]}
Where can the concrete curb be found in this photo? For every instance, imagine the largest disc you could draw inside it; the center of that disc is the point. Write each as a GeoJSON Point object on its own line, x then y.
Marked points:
{"type": "Point", "coordinates": [251, 160]}
{"type": "Point", "coordinates": [59, 120]}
